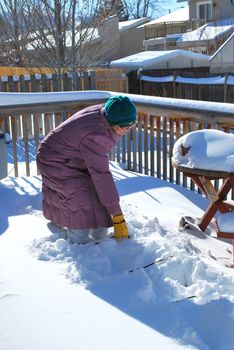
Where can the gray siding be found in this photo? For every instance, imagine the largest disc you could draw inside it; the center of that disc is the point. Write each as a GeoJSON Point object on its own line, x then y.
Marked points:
{"type": "Point", "coordinates": [221, 9]}
{"type": "Point", "coordinates": [223, 60]}
{"type": "Point", "coordinates": [131, 41]}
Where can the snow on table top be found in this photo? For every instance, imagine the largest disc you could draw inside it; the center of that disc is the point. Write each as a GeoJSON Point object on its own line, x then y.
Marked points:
{"type": "Point", "coordinates": [206, 149]}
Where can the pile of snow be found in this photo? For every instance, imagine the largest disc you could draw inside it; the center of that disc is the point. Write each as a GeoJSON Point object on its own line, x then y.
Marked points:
{"type": "Point", "coordinates": [206, 149]}
{"type": "Point", "coordinates": [56, 295]}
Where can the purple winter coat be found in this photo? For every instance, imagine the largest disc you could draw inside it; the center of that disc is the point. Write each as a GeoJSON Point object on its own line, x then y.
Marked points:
{"type": "Point", "coordinates": [77, 186]}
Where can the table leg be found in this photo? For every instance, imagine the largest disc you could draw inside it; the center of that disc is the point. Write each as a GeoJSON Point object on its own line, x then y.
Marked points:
{"type": "Point", "coordinates": [233, 250]}
{"type": "Point", "coordinates": [208, 215]}
{"type": "Point", "coordinates": [215, 198]}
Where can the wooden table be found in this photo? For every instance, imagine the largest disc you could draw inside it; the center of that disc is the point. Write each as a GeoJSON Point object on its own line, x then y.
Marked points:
{"type": "Point", "coordinates": [203, 179]}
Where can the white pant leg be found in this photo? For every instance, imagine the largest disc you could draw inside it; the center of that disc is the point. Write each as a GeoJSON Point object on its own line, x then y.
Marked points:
{"type": "Point", "coordinates": [98, 233]}
{"type": "Point", "coordinates": [78, 236]}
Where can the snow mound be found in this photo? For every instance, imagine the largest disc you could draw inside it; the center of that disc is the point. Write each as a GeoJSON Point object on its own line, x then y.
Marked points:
{"type": "Point", "coordinates": [205, 149]}
{"type": "Point", "coordinates": [182, 299]}
{"type": "Point", "coordinates": [181, 269]}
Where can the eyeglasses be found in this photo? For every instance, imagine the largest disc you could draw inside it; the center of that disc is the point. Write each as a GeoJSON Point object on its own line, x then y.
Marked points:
{"type": "Point", "coordinates": [126, 126]}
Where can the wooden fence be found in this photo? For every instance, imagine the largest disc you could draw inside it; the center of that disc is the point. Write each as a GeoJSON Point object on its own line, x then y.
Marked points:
{"type": "Point", "coordinates": [176, 89]}
{"type": "Point", "coordinates": [111, 80]}
{"type": "Point", "coordinates": [49, 82]}
{"type": "Point", "coordinates": [43, 80]}
{"type": "Point", "coordinates": [146, 149]}
{"type": "Point", "coordinates": [12, 70]}
{"type": "Point", "coordinates": [96, 79]}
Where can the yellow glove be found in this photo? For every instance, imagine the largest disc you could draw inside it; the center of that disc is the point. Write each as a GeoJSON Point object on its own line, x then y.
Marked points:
{"type": "Point", "coordinates": [120, 227]}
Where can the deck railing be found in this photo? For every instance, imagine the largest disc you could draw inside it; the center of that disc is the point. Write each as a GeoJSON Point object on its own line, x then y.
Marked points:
{"type": "Point", "coordinates": [146, 149]}
{"type": "Point", "coordinates": [163, 29]}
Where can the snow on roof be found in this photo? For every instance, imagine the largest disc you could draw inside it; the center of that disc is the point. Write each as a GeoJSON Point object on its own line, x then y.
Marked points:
{"type": "Point", "coordinates": [86, 35]}
{"type": "Point", "coordinates": [209, 31]}
{"type": "Point", "coordinates": [181, 14]}
{"type": "Point", "coordinates": [124, 25]}
{"type": "Point", "coordinates": [147, 59]}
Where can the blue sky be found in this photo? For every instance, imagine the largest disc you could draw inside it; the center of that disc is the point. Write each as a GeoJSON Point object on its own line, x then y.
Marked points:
{"type": "Point", "coordinates": [171, 5]}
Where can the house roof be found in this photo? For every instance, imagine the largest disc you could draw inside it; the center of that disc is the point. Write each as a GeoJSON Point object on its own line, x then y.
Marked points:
{"type": "Point", "coordinates": [208, 31]}
{"type": "Point", "coordinates": [125, 25]}
{"type": "Point", "coordinates": [89, 34]}
{"type": "Point", "coordinates": [181, 14]}
{"type": "Point", "coordinates": [158, 59]}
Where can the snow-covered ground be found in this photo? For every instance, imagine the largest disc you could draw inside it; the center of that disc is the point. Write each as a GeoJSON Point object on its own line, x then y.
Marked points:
{"type": "Point", "coordinates": [56, 295]}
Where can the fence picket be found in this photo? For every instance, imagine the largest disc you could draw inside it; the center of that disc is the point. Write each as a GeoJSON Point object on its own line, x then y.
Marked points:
{"type": "Point", "coordinates": [177, 137]}
{"type": "Point", "coordinates": [171, 144]}
{"type": "Point", "coordinates": [26, 143]}
{"type": "Point", "coordinates": [123, 141]}
{"type": "Point", "coordinates": [146, 144]}
{"type": "Point", "coordinates": [164, 148]}
{"type": "Point", "coordinates": [14, 139]}
{"type": "Point", "coordinates": [129, 153]}
{"type": "Point", "coordinates": [152, 147]}
{"type": "Point", "coordinates": [140, 141]}
{"type": "Point", "coordinates": [158, 130]}
{"type": "Point", "coordinates": [185, 131]}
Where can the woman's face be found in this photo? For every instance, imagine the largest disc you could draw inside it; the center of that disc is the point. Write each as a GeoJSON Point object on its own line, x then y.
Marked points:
{"type": "Point", "coordinates": [122, 130]}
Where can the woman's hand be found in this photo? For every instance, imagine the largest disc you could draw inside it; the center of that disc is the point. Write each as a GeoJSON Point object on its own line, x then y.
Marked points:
{"type": "Point", "coordinates": [120, 227]}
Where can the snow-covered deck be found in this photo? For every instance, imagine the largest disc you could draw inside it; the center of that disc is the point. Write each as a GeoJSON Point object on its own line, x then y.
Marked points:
{"type": "Point", "coordinates": [56, 295]}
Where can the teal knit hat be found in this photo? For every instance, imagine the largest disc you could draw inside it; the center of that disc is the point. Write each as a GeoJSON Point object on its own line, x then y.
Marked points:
{"type": "Point", "coordinates": [120, 110]}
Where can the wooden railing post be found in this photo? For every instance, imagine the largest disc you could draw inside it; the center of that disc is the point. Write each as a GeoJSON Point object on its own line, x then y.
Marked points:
{"type": "Point", "coordinates": [92, 81]}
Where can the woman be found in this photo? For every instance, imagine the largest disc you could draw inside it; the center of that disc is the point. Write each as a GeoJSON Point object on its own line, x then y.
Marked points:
{"type": "Point", "coordinates": [77, 186]}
